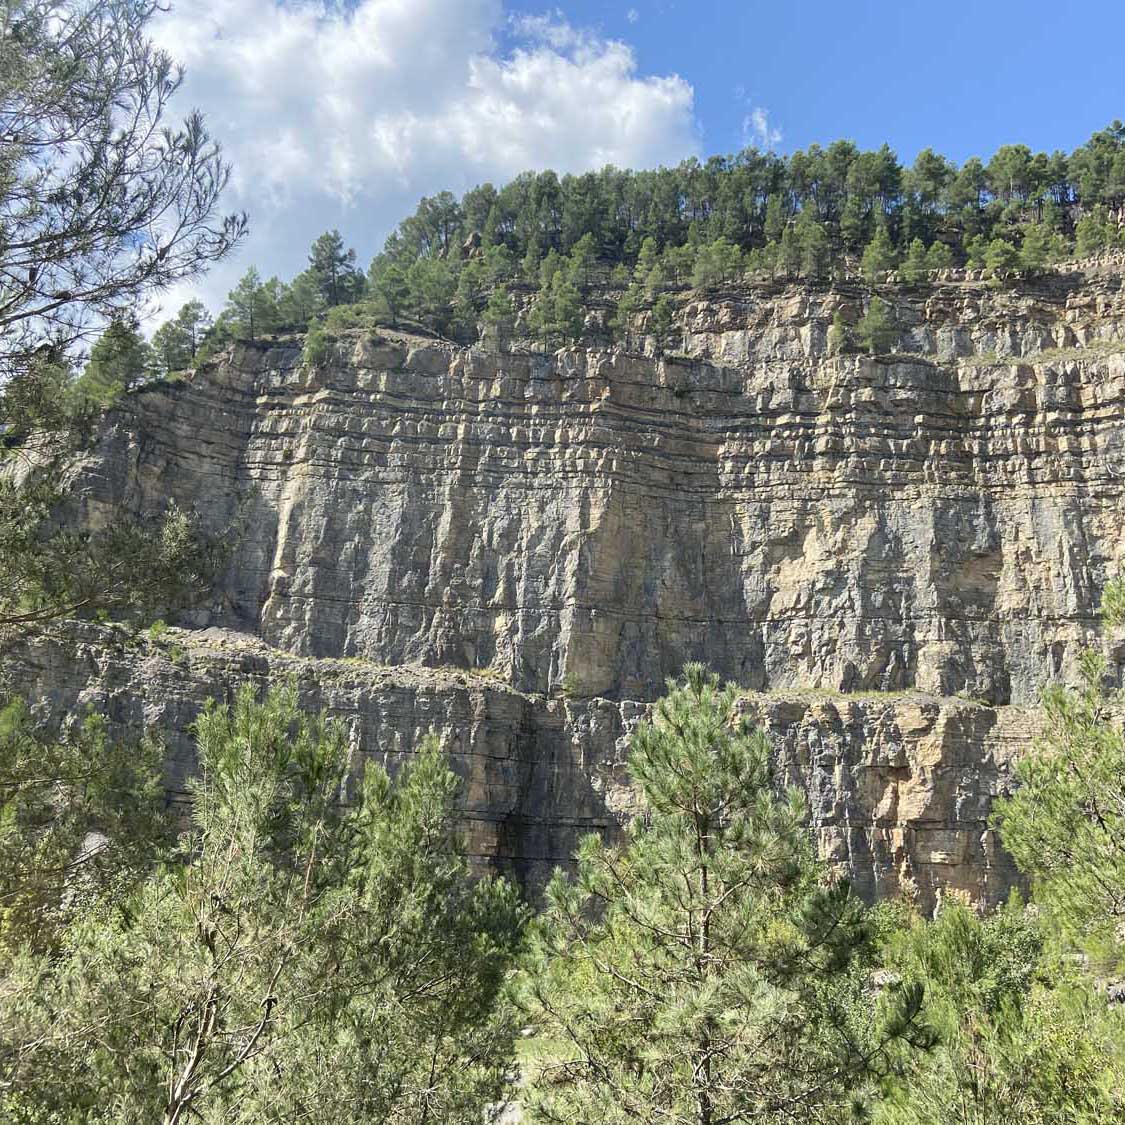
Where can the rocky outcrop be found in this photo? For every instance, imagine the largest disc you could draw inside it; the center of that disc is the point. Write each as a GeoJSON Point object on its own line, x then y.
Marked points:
{"type": "Point", "coordinates": [898, 786]}
{"type": "Point", "coordinates": [518, 549]}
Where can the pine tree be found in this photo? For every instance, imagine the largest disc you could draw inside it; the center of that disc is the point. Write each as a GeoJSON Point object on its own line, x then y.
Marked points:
{"type": "Point", "coordinates": [499, 314]}
{"type": "Point", "coordinates": [551, 264]}
{"type": "Point", "coordinates": [1036, 249]}
{"type": "Point", "coordinates": [567, 309]}
{"type": "Point", "coordinates": [1001, 256]}
{"type": "Point", "coordinates": [301, 302]}
{"type": "Point", "coordinates": [655, 281]}
{"type": "Point", "coordinates": [789, 252]}
{"type": "Point", "coordinates": [879, 256]}
{"type": "Point", "coordinates": [663, 314]}
{"type": "Point", "coordinates": [533, 256]}
{"type": "Point", "coordinates": [916, 263]}
{"type": "Point", "coordinates": [706, 970]}
{"type": "Point", "coordinates": [627, 306]}
{"type": "Point", "coordinates": [977, 250]}
{"type": "Point", "coordinates": [716, 263]}
{"type": "Point", "coordinates": [390, 286]}
{"type": "Point", "coordinates": [176, 341]}
{"type": "Point", "coordinates": [171, 348]}
{"type": "Point", "coordinates": [875, 329]}
{"type": "Point", "coordinates": [119, 361]}
{"type": "Point", "coordinates": [853, 224]}
{"type": "Point", "coordinates": [498, 265]}
{"type": "Point", "coordinates": [194, 320]}
{"type": "Point", "coordinates": [838, 335]}
{"type": "Point", "coordinates": [939, 256]}
{"type": "Point", "coordinates": [431, 288]}
{"type": "Point", "coordinates": [251, 309]}
{"type": "Point", "coordinates": [1021, 1036]}
{"type": "Point", "coordinates": [775, 219]}
{"type": "Point", "coordinates": [470, 293]}
{"type": "Point", "coordinates": [1065, 823]}
{"type": "Point", "coordinates": [1092, 234]}
{"type": "Point", "coordinates": [301, 959]}
{"type": "Point", "coordinates": [81, 823]}
{"type": "Point", "coordinates": [333, 269]}
{"type": "Point", "coordinates": [647, 258]}
{"type": "Point", "coordinates": [583, 256]}
{"type": "Point", "coordinates": [815, 247]}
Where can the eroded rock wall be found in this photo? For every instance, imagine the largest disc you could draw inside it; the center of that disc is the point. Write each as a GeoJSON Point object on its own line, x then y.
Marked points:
{"type": "Point", "coordinates": [532, 543]}
{"type": "Point", "coordinates": [898, 786]}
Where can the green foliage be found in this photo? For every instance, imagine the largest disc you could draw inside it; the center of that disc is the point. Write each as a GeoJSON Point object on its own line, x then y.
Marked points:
{"type": "Point", "coordinates": [558, 310]}
{"type": "Point", "coordinates": [252, 306]}
{"type": "Point", "coordinates": [300, 302]}
{"type": "Point", "coordinates": [716, 263]}
{"type": "Point", "coordinates": [916, 264]}
{"type": "Point", "coordinates": [838, 335]}
{"type": "Point", "coordinates": [876, 330]}
{"type": "Point", "coordinates": [582, 259]}
{"type": "Point", "coordinates": [301, 959]}
{"type": "Point", "coordinates": [706, 970]}
{"type": "Point", "coordinates": [318, 347]}
{"type": "Point", "coordinates": [130, 569]}
{"type": "Point", "coordinates": [1001, 256]}
{"type": "Point", "coordinates": [939, 257]}
{"type": "Point", "coordinates": [119, 361]}
{"type": "Point", "coordinates": [1113, 604]}
{"type": "Point", "coordinates": [332, 270]}
{"type": "Point", "coordinates": [431, 286]}
{"type": "Point", "coordinates": [103, 201]}
{"type": "Point", "coordinates": [102, 204]}
{"type": "Point", "coordinates": [1037, 249]}
{"type": "Point", "coordinates": [176, 341]}
{"type": "Point", "coordinates": [387, 281]}
{"type": "Point", "coordinates": [879, 256]}
{"type": "Point", "coordinates": [814, 243]}
{"type": "Point", "coordinates": [977, 249]}
{"type": "Point", "coordinates": [1094, 233]}
{"type": "Point", "coordinates": [499, 315]}
{"type": "Point", "coordinates": [705, 225]}
{"type": "Point", "coordinates": [1020, 1038]}
{"type": "Point", "coordinates": [1065, 822]}
{"type": "Point", "coordinates": [663, 315]}
{"type": "Point", "coordinates": [171, 349]}
{"type": "Point", "coordinates": [81, 820]}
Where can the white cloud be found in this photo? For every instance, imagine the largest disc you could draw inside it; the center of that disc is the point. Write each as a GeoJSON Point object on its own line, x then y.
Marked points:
{"type": "Point", "coordinates": [343, 116]}
{"type": "Point", "coordinates": [632, 15]}
{"type": "Point", "coordinates": [757, 130]}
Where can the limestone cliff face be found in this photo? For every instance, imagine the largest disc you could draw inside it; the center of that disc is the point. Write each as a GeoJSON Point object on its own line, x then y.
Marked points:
{"type": "Point", "coordinates": [525, 546]}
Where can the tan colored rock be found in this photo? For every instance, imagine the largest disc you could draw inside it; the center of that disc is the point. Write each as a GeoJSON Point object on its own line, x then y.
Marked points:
{"type": "Point", "coordinates": [568, 530]}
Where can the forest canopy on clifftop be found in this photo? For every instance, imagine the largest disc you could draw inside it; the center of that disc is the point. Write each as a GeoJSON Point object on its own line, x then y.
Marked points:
{"type": "Point", "coordinates": [555, 246]}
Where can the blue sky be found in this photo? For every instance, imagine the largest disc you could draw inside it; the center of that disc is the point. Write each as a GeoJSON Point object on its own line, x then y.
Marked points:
{"type": "Point", "coordinates": [962, 77]}
{"type": "Point", "coordinates": [345, 114]}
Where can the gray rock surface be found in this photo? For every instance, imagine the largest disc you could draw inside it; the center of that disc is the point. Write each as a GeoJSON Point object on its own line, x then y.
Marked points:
{"type": "Point", "coordinates": [516, 550]}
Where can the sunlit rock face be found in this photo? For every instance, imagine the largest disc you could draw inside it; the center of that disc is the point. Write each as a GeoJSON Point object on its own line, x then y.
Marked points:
{"type": "Point", "coordinates": [891, 554]}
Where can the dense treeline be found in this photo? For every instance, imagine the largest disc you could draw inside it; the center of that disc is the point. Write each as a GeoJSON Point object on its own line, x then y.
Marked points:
{"type": "Point", "coordinates": [631, 240]}
{"type": "Point", "coordinates": [753, 198]}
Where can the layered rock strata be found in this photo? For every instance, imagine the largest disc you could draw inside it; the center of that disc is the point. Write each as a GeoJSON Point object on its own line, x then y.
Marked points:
{"type": "Point", "coordinates": [527, 545]}
{"type": "Point", "coordinates": [898, 785]}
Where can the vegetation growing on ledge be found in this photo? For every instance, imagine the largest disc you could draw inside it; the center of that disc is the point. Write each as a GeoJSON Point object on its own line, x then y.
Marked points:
{"type": "Point", "coordinates": [624, 241]}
